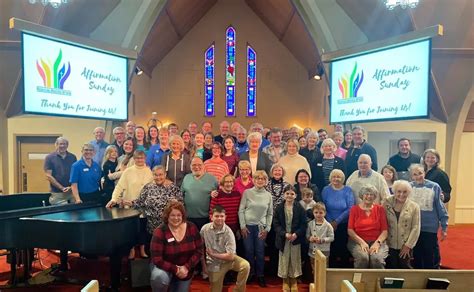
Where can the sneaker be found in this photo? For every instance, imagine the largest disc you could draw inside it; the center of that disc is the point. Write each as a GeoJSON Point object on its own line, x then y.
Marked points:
{"type": "Point", "coordinates": [250, 279]}
{"type": "Point", "coordinates": [261, 281]}
{"type": "Point", "coordinates": [204, 276]}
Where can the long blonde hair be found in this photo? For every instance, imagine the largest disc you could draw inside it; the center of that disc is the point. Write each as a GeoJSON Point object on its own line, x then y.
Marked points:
{"type": "Point", "coordinates": [108, 151]}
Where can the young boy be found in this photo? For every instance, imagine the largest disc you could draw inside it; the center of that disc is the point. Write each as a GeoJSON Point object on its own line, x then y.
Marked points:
{"type": "Point", "coordinates": [319, 233]}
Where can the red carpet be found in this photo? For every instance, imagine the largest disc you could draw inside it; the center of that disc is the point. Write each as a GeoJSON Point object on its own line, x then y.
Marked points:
{"type": "Point", "coordinates": [457, 253]}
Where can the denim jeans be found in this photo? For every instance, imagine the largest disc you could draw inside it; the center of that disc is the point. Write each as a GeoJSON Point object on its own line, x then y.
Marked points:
{"type": "Point", "coordinates": [161, 280]}
{"type": "Point", "coordinates": [254, 251]}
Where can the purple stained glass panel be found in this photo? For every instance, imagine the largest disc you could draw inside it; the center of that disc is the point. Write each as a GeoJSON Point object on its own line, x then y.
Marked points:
{"type": "Point", "coordinates": [209, 90]}
{"type": "Point", "coordinates": [230, 71]}
{"type": "Point", "coordinates": [251, 82]}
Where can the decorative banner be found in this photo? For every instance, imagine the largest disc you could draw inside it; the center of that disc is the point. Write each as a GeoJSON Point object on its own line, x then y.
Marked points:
{"type": "Point", "coordinates": [230, 71]}
{"type": "Point", "coordinates": [209, 81]}
{"type": "Point", "coordinates": [388, 84]}
{"type": "Point", "coordinates": [251, 82]}
{"type": "Point", "coordinates": [69, 80]}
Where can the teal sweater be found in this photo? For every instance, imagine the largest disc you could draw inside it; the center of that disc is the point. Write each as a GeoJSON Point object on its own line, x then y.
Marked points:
{"type": "Point", "coordinates": [197, 194]}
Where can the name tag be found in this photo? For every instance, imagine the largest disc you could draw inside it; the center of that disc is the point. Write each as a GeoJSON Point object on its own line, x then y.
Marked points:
{"type": "Point", "coordinates": [319, 164]}
{"type": "Point", "coordinates": [171, 239]}
{"type": "Point", "coordinates": [85, 169]}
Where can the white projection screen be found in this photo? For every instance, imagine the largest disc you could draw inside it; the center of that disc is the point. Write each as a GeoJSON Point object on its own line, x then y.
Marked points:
{"type": "Point", "coordinates": [388, 84]}
{"type": "Point", "coordinates": [73, 81]}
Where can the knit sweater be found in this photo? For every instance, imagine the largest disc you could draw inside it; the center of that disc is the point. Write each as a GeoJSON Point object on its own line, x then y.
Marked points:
{"type": "Point", "coordinates": [324, 232]}
{"type": "Point", "coordinates": [433, 211]}
{"type": "Point", "coordinates": [338, 203]}
{"type": "Point", "coordinates": [357, 181]}
{"type": "Point", "coordinates": [230, 202]}
{"type": "Point", "coordinates": [131, 182]}
{"type": "Point", "coordinates": [292, 163]}
{"type": "Point", "coordinates": [256, 208]}
{"type": "Point", "coordinates": [406, 229]}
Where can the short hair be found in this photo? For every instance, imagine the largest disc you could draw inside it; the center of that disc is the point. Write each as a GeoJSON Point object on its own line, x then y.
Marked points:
{"type": "Point", "coordinates": [173, 205]}
{"type": "Point", "coordinates": [403, 139]}
{"type": "Point", "coordinates": [337, 134]}
{"type": "Point", "coordinates": [177, 138]}
{"type": "Point", "coordinates": [364, 156]}
{"type": "Point", "coordinates": [116, 129]}
{"type": "Point", "coordinates": [322, 130]}
{"type": "Point", "coordinates": [337, 171]}
{"type": "Point", "coordinates": [402, 183]}
{"type": "Point", "coordinates": [244, 164]}
{"type": "Point", "coordinates": [241, 130]}
{"type": "Point", "coordinates": [319, 206]}
{"type": "Point", "coordinates": [306, 192]}
{"type": "Point", "coordinates": [172, 125]}
{"type": "Point", "coordinates": [255, 125]}
{"type": "Point", "coordinates": [358, 128]}
{"type": "Point", "coordinates": [260, 173]}
{"type": "Point", "coordinates": [218, 209]}
{"type": "Point", "coordinates": [276, 165]}
{"type": "Point", "coordinates": [163, 130]}
{"type": "Point", "coordinates": [138, 153]}
{"type": "Point", "coordinates": [312, 134]}
{"type": "Point", "coordinates": [292, 141]}
{"type": "Point", "coordinates": [208, 122]}
{"type": "Point", "coordinates": [275, 130]}
{"type": "Point", "coordinates": [99, 129]}
{"type": "Point", "coordinates": [434, 152]}
{"type": "Point", "coordinates": [88, 146]}
{"type": "Point", "coordinates": [221, 182]}
{"type": "Point", "coordinates": [289, 188]}
{"type": "Point", "coordinates": [218, 144]}
{"type": "Point", "coordinates": [224, 122]}
{"type": "Point", "coordinates": [159, 167]}
{"type": "Point", "coordinates": [347, 132]}
{"type": "Point", "coordinates": [392, 169]}
{"type": "Point", "coordinates": [254, 135]}
{"type": "Point", "coordinates": [326, 142]}
{"type": "Point", "coordinates": [368, 189]}
{"type": "Point", "coordinates": [414, 167]}
{"type": "Point", "coordinates": [59, 139]}
{"type": "Point", "coordinates": [192, 123]}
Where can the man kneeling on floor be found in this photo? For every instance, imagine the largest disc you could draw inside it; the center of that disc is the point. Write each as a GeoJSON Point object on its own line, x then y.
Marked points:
{"type": "Point", "coordinates": [219, 242]}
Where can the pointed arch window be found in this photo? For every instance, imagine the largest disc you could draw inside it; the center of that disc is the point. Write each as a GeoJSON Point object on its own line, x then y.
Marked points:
{"type": "Point", "coordinates": [251, 81]}
{"type": "Point", "coordinates": [209, 90]}
{"type": "Point", "coordinates": [230, 39]}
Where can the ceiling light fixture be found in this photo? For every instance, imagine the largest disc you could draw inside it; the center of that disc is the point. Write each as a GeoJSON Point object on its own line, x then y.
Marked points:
{"type": "Point", "coordinates": [391, 4]}
{"type": "Point", "coordinates": [53, 3]}
{"type": "Point", "coordinates": [138, 71]}
{"type": "Point", "coordinates": [319, 71]}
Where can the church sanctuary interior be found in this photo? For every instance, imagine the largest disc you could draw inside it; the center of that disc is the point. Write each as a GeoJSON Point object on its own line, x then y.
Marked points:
{"type": "Point", "coordinates": [85, 71]}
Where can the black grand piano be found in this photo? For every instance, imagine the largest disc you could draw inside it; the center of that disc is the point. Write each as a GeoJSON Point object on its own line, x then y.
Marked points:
{"type": "Point", "coordinates": [27, 221]}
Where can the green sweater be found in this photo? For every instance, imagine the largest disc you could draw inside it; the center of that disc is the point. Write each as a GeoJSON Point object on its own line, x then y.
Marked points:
{"type": "Point", "coordinates": [256, 208]}
{"type": "Point", "coordinates": [197, 194]}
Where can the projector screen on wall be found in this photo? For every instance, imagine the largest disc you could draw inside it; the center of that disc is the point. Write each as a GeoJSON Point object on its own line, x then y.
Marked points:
{"type": "Point", "coordinates": [69, 80]}
{"type": "Point", "coordinates": [388, 84]}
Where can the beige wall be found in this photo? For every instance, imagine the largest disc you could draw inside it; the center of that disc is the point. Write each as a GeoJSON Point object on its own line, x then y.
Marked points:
{"type": "Point", "coordinates": [3, 153]}
{"type": "Point", "coordinates": [285, 95]}
{"type": "Point", "coordinates": [464, 189]}
{"type": "Point", "coordinates": [77, 131]}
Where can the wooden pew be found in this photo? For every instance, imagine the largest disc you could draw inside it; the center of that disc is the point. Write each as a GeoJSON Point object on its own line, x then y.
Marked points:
{"type": "Point", "coordinates": [327, 279]}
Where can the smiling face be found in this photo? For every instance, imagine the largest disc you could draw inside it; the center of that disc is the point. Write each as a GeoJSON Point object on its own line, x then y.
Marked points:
{"type": "Point", "coordinates": [348, 138]}
{"type": "Point", "coordinates": [87, 152]}
{"type": "Point", "coordinates": [229, 144]}
{"type": "Point", "coordinates": [337, 179]}
{"type": "Point", "coordinates": [197, 167]}
{"type": "Point", "coordinates": [418, 175]}
{"type": "Point", "coordinates": [99, 134]}
{"type": "Point", "coordinates": [164, 137]}
{"type": "Point", "coordinates": [289, 196]}
{"type": "Point", "coordinates": [319, 214]}
{"type": "Point", "coordinates": [175, 218]}
{"type": "Point", "coordinates": [228, 184]}
{"type": "Point", "coordinates": [404, 147]}
{"type": "Point", "coordinates": [401, 193]}
{"type": "Point", "coordinates": [153, 133]}
{"type": "Point", "coordinates": [430, 160]}
{"type": "Point", "coordinates": [208, 139]}
{"type": "Point", "coordinates": [139, 160]}
{"type": "Point", "coordinates": [260, 181]}
{"type": "Point", "coordinates": [387, 174]}
{"type": "Point", "coordinates": [224, 128]}
{"type": "Point", "coordinates": [328, 149]}
{"type": "Point", "coordinates": [176, 146]}
{"type": "Point", "coordinates": [218, 219]}
{"type": "Point", "coordinates": [302, 142]}
{"type": "Point", "coordinates": [277, 172]}
{"type": "Point", "coordinates": [303, 179]}
{"type": "Point", "coordinates": [139, 134]}
{"type": "Point", "coordinates": [199, 140]}
{"type": "Point", "coordinates": [128, 146]}
{"type": "Point", "coordinates": [254, 144]}
{"type": "Point", "coordinates": [275, 138]}
{"type": "Point", "coordinates": [292, 148]}
{"type": "Point", "coordinates": [338, 140]}
{"type": "Point", "coordinates": [364, 164]}
{"type": "Point", "coordinates": [186, 137]}
{"type": "Point", "coordinates": [357, 136]}
{"type": "Point", "coordinates": [245, 172]}
{"type": "Point", "coordinates": [216, 150]}
{"type": "Point", "coordinates": [368, 199]}
{"type": "Point", "coordinates": [159, 176]}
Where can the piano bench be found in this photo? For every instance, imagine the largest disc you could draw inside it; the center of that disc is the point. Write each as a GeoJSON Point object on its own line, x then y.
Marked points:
{"type": "Point", "coordinates": [140, 272]}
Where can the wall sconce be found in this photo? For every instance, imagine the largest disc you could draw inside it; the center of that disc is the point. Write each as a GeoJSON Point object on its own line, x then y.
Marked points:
{"type": "Point", "coordinates": [138, 71]}
{"type": "Point", "coordinates": [319, 71]}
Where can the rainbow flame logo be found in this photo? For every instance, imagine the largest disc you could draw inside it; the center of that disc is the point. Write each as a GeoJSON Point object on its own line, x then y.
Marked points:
{"type": "Point", "coordinates": [52, 76]}
{"type": "Point", "coordinates": [349, 86]}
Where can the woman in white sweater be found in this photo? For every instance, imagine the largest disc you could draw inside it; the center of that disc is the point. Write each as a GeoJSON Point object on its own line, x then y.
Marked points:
{"type": "Point", "coordinates": [293, 161]}
{"type": "Point", "coordinates": [128, 189]}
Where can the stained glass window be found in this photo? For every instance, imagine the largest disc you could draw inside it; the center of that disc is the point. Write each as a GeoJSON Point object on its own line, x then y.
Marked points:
{"type": "Point", "coordinates": [230, 71]}
{"type": "Point", "coordinates": [209, 81]}
{"type": "Point", "coordinates": [251, 82]}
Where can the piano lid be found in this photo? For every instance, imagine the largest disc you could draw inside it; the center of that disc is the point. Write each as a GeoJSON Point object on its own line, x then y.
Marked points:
{"type": "Point", "coordinates": [87, 215]}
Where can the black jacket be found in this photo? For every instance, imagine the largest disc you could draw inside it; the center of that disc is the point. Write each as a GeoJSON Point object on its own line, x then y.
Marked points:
{"type": "Point", "coordinates": [317, 170]}
{"type": "Point", "coordinates": [298, 225]}
{"type": "Point", "coordinates": [263, 161]}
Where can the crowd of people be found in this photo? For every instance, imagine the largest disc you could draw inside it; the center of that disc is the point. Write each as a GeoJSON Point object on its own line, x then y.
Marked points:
{"type": "Point", "coordinates": [217, 203]}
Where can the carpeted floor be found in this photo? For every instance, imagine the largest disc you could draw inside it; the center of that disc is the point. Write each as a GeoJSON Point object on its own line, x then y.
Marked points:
{"type": "Point", "coordinates": [456, 253]}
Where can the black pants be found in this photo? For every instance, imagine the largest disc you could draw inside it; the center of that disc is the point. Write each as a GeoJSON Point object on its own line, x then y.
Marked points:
{"type": "Point", "coordinates": [339, 255]}
{"type": "Point", "coordinates": [395, 262]}
{"type": "Point", "coordinates": [425, 250]}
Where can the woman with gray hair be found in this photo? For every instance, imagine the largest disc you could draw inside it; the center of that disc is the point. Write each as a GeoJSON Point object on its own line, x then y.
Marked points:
{"type": "Point", "coordinates": [403, 218]}
{"type": "Point", "coordinates": [258, 159]}
{"type": "Point", "coordinates": [322, 167]}
{"type": "Point", "coordinates": [177, 163]}
{"type": "Point", "coordinates": [367, 230]}
{"type": "Point", "coordinates": [311, 152]}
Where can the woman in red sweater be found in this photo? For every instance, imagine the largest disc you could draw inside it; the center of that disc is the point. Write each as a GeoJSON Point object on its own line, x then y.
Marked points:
{"type": "Point", "coordinates": [367, 230]}
{"type": "Point", "coordinates": [229, 199]}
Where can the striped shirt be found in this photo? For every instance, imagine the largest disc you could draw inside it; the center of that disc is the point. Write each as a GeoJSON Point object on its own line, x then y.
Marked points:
{"type": "Point", "coordinates": [230, 203]}
{"type": "Point", "coordinates": [216, 167]}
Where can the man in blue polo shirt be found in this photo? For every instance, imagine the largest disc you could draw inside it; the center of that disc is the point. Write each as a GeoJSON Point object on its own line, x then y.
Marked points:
{"type": "Point", "coordinates": [57, 167]}
{"type": "Point", "coordinates": [85, 177]}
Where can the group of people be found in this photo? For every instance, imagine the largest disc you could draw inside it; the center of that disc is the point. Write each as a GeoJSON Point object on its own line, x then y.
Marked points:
{"type": "Point", "coordinates": [216, 203]}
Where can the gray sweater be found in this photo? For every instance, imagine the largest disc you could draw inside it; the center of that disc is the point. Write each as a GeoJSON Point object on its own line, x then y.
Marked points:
{"type": "Point", "coordinates": [256, 208]}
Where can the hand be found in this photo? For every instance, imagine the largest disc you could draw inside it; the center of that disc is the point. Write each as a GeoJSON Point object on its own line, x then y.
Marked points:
{"type": "Point", "coordinates": [334, 225]}
{"type": "Point", "coordinates": [66, 189]}
{"type": "Point", "coordinates": [182, 272]}
{"type": "Point", "coordinates": [127, 203]}
{"type": "Point", "coordinates": [441, 197]}
{"type": "Point", "coordinates": [293, 237]}
{"type": "Point", "coordinates": [214, 193]}
{"type": "Point", "coordinates": [110, 204]}
{"type": "Point", "coordinates": [262, 234]}
{"type": "Point", "coordinates": [444, 234]}
{"type": "Point", "coordinates": [374, 248]}
{"type": "Point", "coordinates": [238, 235]}
{"type": "Point", "coordinates": [211, 252]}
{"type": "Point", "coordinates": [245, 232]}
{"type": "Point", "coordinates": [288, 236]}
{"type": "Point", "coordinates": [78, 201]}
{"type": "Point", "coordinates": [405, 252]}
{"type": "Point", "coordinates": [317, 240]}
{"type": "Point", "coordinates": [364, 246]}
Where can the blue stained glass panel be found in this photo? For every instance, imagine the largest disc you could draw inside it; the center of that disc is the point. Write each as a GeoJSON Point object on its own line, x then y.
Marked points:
{"type": "Point", "coordinates": [230, 71]}
{"type": "Point", "coordinates": [251, 82]}
{"type": "Point", "coordinates": [209, 90]}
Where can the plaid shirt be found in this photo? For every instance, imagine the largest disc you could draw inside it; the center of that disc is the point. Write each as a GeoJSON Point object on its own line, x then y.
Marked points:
{"type": "Point", "coordinates": [167, 253]}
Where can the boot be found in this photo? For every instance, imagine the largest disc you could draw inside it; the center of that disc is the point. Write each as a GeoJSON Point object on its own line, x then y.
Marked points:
{"type": "Point", "coordinates": [286, 285]}
{"type": "Point", "coordinates": [293, 285]}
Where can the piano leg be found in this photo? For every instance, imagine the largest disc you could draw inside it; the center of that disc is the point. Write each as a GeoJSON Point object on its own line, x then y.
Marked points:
{"type": "Point", "coordinates": [115, 261]}
{"type": "Point", "coordinates": [13, 254]}
{"type": "Point", "coordinates": [63, 259]}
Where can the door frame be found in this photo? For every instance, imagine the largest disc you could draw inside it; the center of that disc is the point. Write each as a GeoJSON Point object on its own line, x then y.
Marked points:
{"type": "Point", "coordinates": [25, 138]}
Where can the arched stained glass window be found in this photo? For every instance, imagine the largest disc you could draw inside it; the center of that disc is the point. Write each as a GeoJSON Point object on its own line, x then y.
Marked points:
{"type": "Point", "coordinates": [251, 81]}
{"type": "Point", "coordinates": [209, 58]}
{"type": "Point", "coordinates": [230, 71]}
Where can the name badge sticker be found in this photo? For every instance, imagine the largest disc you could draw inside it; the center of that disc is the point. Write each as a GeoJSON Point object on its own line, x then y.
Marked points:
{"type": "Point", "coordinates": [319, 164]}
{"type": "Point", "coordinates": [85, 169]}
{"type": "Point", "coordinates": [171, 239]}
